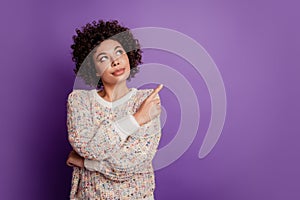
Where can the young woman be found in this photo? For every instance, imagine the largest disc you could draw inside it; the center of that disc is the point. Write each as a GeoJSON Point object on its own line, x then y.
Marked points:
{"type": "Point", "coordinates": [114, 130]}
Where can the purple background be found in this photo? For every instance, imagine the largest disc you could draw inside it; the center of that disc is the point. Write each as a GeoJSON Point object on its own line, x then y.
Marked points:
{"type": "Point", "coordinates": [255, 45]}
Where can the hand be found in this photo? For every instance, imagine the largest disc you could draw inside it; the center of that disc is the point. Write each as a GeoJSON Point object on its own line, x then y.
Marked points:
{"type": "Point", "coordinates": [150, 108]}
{"type": "Point", "coordinates": [75, 160]}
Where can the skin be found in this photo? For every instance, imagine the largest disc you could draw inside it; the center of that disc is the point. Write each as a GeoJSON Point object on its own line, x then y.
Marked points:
{"type": "Point", "coordinates": [108, 58]}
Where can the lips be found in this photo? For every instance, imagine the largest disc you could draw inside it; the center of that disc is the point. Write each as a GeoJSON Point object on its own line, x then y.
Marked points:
{"type": "Point", "coordinates": [118, 72]}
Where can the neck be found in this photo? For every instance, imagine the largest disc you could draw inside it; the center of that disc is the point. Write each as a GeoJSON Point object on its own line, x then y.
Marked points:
{"type": "Point", "coordinates": [113, 92]}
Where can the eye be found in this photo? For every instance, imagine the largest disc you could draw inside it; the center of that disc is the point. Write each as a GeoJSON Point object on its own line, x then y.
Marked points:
{"type": "Point", "coordinates": [103, 58]}
{"type": "Point", "coordinates": [119, 52]}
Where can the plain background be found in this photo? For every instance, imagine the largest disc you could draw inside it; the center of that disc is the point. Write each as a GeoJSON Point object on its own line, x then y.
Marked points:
{"type": "Point", "coordinates": [255, 45]}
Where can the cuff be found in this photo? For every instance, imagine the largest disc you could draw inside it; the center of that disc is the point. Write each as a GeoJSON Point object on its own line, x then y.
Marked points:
{"type": "Point", "coordinates": [91, 165]}
{"type": "Point", "coordinates": [127, 126]}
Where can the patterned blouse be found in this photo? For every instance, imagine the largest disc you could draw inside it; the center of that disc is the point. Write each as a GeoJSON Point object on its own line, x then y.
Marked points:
{"type": "Point", "coordinates": [118, 151]}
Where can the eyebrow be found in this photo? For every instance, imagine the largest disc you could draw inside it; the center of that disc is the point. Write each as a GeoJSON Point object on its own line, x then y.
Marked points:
{"type": "Point", "coordinates": [103, 53]}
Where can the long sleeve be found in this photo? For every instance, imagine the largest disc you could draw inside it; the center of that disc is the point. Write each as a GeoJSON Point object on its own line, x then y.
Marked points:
{"type": "Point", "coordinates": [134, 156]}
{"type": "Point", "coordinates": [90, 141]}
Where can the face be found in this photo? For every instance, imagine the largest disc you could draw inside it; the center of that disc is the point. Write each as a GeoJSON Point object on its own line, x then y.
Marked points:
{"type": "Point", "coordinates": [111, 62]}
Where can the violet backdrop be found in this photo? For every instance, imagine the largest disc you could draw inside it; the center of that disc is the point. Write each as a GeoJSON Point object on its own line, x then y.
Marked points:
{"type": "Point", "coordinates": [255, 45]}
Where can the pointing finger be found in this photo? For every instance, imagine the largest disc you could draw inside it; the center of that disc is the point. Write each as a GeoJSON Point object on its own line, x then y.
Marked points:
{"type": "Point", "coordinates": [155, 91]}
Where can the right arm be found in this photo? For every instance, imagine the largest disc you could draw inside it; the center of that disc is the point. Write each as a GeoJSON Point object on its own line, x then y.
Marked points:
{"type": "Point", "coordinates": [135, 156]}
{"type": "Point", "coordinates": [139, 149]}
{"type": "Point", "coordinates": [90, 141]}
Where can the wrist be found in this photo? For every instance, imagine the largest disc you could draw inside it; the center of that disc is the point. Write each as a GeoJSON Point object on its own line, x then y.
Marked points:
{"type": "Point", "coordinates": [82, 163]}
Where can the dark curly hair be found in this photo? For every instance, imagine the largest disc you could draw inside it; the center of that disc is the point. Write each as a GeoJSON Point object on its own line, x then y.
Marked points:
{"type": "Point", "coordinates": [91, 36]}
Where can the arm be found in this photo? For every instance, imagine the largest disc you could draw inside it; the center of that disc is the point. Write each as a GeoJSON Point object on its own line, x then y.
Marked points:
{"type": "Point", "coordinates": [90, 141]}
{"type": "Point", "coordinates": [134, 156]}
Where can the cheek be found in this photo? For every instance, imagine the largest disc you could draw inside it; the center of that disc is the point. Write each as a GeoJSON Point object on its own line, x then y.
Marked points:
{"type": "Point", "coordinates": [101, 68]}
{"type": "Point", "coordinates": [124, 58]}
{"type": "Point", "coordinates": [125, 61]}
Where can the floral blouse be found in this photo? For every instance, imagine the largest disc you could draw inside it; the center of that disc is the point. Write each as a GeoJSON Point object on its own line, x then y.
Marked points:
{"type": "Point", "coordinates": [118, 151]}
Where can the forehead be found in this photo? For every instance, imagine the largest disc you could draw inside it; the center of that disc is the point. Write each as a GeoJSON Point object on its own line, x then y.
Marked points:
{"type": "Point", "coordinates": [107, 45]}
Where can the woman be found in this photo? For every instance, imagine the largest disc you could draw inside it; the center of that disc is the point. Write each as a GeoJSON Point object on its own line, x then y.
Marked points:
{"type": "Point", "coordinates": [114, 130]}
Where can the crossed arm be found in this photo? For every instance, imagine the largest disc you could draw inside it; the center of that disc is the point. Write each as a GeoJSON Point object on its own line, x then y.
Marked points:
{"type": "Point", "coordinates": [117, 149]}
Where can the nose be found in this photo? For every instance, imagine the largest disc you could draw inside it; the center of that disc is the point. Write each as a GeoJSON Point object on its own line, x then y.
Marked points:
{"type": "Point", "coordinates": [115, 63]}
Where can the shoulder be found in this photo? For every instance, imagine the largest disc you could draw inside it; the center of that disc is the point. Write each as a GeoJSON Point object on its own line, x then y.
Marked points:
{"type": "Point", "coordinates": [79, 95]}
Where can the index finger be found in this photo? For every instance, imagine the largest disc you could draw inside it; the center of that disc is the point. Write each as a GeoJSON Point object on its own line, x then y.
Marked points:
{"type": "Point", "coordinates": [155, 91]}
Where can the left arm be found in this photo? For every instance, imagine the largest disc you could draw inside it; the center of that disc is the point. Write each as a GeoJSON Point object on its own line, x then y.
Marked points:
{"type": "Point", "coordinates": [135, 155]}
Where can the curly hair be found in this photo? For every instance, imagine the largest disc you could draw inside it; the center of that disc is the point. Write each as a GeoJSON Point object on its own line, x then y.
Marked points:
{"type": "Point", "coordinates": [91, 36]}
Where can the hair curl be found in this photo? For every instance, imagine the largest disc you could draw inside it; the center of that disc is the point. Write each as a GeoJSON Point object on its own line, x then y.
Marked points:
{"type": "Point", "coordinates": [91, 36]}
